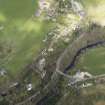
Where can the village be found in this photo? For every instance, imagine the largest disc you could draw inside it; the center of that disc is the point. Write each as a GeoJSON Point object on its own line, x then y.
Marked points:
{"type": "Point", "coordinates": [65, 63]}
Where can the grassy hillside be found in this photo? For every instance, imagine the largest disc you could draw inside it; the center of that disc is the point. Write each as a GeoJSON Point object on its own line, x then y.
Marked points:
{"type": "Point", "coordinates": [93, 61]}
{"type": "Point", "coordinates": [20, 34]}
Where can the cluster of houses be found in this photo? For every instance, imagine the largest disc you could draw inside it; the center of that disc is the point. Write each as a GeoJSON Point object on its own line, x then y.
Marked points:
{"type": "Point", "coordinates": [80, 76]}
{"type": "Point", "coordinates": [63, 32]}
{"type": "Point", "coordinates": [3, 73]}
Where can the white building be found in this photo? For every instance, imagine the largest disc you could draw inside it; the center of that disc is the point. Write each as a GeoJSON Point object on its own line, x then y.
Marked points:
{"type": "Point", "coordinates": [3, 72]}
{"type": "Point", "coordinates": [82, 75]}
{"type": "Point", "coordinates": [79, 76]}
{"type": "Point", "coordinates": [15, 84]}
{"type": "Point", "coordinates": [42, 63]}
{"type": "Point", "coordinates": [29, 87]}
{"type": "Point", "coordinates": [43, 74]}
{"type": "Point", "coordinates": [85, 85]}
{"type": "Point", "coordinates": [50, 50]}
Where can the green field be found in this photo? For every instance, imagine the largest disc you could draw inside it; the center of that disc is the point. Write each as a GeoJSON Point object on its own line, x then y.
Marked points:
{"type": "Point", "coordinates": [21, 35]}
{"type": "Point", "coordinates": [93, 61]}
{"type": "Point", "coordinates": [95, 10]}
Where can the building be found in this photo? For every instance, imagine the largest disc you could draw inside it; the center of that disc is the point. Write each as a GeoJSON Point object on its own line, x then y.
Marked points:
{"type": "Point", "coordinates": [3, 72]}
{"type": "Point", "coordinates": [29, 87]}
{"type": "Point", "coordinates": [79, 76]}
